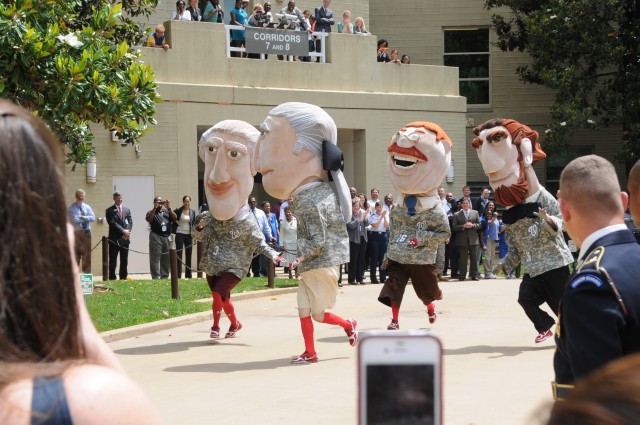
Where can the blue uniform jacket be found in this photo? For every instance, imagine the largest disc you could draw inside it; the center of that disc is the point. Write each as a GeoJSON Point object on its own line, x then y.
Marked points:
{"type": "Point", "coordinates": [593, 328]}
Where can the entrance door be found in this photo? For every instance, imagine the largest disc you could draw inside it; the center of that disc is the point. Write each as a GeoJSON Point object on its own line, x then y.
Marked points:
{"type": "Point", "coordinates": [138, 193]}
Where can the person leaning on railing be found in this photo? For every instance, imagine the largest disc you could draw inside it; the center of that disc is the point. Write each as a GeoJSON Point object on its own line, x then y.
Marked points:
{"type": "Point", "coordinates": [156, 39]}
{"type": "Point", "coordinates": [238, 17]}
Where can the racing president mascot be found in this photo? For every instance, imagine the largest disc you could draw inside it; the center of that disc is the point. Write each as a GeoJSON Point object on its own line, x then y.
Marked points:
{"type": "Point", "coordinates": [419, 157]}
{"type": "Point", "coordinates": [296, 152]}
{"type": "Point", "coordinates": [508, 150]}
{"type": "Point", "coordinates": [229, 232]}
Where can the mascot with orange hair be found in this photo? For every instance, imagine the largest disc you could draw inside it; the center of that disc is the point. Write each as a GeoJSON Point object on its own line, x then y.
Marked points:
{"type": "Point", "coordinates": [508, 150]}
{"type": "Point", "coordinates": [419, 158]}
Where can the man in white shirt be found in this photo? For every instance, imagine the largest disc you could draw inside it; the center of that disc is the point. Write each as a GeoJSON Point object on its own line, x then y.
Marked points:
{"type": "Point", "coordinates": [443, 199]}
{"type": "Point", "coordinates": [81, 216]}
{"type": "Point", "coordinates": [263, 223]}
{"type": "Point", "coordinates": [378, 240]}
{"type": "Point", "coordinates": [375, 197]}
{"type": "Point", "coordinates": [440, 256]}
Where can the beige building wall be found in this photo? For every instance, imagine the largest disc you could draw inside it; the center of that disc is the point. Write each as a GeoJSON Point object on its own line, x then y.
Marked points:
{"type": "Point", "coordinates": [201, 86]}
{"type": "Point", "coordinates": [415, 27]}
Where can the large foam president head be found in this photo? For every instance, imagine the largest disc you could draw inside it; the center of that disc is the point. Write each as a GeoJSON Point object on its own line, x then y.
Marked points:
{"type": "Point", "coordinates": [298, 145]}
{"type": "Point", "coordinates": [419, 157]}
{"type": "Point", "coordinates": [508, 150]}
{"type": "Point", "coordinates": [227, 151]}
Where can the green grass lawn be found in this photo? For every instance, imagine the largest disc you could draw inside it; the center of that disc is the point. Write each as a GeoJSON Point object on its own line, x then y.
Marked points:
{"type": "Point", "coordinates": [118, 304]}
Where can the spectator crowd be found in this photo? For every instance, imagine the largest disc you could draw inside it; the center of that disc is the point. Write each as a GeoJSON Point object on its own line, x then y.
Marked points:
{"type": "Point", "coordinates": [290, 17]}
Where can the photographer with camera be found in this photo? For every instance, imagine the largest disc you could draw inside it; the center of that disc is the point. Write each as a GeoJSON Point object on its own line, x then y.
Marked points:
{"type": "Point", "coordinates": [287, 19]}
{"type": "Point", "coordinates": [160, 219]}
{"type": "Point", "coordinates": [383, 49]}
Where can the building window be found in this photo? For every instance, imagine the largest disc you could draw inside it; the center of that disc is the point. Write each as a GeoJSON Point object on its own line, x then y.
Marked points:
{"type": "Point", "coordinates": [555, 164]}
{"type": "Point", "coordinates": [468, 50]}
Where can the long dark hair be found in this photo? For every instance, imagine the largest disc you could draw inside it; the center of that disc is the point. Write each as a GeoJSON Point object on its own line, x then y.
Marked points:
{"type": "Point", "coordinates": [39, 318]}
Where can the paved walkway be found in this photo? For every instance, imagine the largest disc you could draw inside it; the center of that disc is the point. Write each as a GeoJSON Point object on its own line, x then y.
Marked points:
{"type": "Point", "coordinates": [494, 374]}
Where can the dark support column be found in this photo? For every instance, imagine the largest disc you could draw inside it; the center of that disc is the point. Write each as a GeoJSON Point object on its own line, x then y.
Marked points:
{"type": "Point", "coordinates": [105, 258]}
{"type": "Point", "coordinates": [175, 291]}
{"type": "Point", "coordinates": [271, 274]}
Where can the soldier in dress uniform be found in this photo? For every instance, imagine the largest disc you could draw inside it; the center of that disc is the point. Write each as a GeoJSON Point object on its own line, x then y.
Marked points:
{"type": "Point", "coordinates": [599, 316]}
{"type": "Point", "coordinates": [508, 150]}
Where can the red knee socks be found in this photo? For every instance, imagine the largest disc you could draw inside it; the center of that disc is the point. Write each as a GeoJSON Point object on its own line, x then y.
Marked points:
{"type": "Point", "coordinates": [230, 311]}
{"type": "Point", "coordinates": [395, 311]}
{"type": "Point", "coordinates": [332, 319]}
{"type": "Point", "coordinates": [307, 334]}
{"type": "Point", "coordinates": [216, 306]}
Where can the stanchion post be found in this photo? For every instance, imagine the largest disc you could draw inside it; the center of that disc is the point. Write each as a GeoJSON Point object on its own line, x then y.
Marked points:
{"type": "Point", "coordinates": [105, 258]}
{"type": "Point", "coordinates": [271, 274]}
{"type": "Point", "coordinates": [199, 251]}
{"type": "Point", "coordinates": [173, 257]}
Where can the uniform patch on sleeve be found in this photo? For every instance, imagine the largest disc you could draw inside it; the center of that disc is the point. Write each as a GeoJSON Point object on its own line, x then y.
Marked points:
{"type": "Point", "coordinates": [586, 278]}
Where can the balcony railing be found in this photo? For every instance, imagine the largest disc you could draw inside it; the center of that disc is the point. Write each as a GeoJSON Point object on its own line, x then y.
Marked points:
{"type": "Point", "coordinates": [243, 51]}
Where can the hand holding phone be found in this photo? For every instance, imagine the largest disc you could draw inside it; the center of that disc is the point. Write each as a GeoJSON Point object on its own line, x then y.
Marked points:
{"type": "Point", "coordinates": [400, 378]}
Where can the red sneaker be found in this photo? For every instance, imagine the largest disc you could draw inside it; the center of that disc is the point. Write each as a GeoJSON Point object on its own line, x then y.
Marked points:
{"type": "Point", "coordinates": [352, 333]}
{"type": "Point", "coordinates": [544, 335]}
{"type": "Point", "coordinates": [233, 329]}
{"type": "Point", "coordinates": [215, 332]}
{"type": "Point", "coordinates": [431, 311]}
{"type": "Point", "coordinates": [393, 326]}
{"type": "Point", "coordinates": [305, 358]}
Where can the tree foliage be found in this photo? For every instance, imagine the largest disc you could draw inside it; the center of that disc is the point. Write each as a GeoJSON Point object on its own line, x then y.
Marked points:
{"type": "Point", "coordinates": [71, 63]}
{"type": "Point", "coordinates": [588, 53]}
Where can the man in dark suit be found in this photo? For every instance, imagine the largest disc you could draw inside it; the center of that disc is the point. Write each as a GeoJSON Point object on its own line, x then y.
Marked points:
{"type": "Point", "coordinates": [482, 201]}
{"type": "Point", "coordinates": [599, 315]}
{"type": "Point", "coordinates": [466, 194]}
{"type": "Point", "coordinates": [466, 224]}
{"type": "Point", "coordinates": [324, 20]}
{"type": "Point", "coordinates": [120, 224]}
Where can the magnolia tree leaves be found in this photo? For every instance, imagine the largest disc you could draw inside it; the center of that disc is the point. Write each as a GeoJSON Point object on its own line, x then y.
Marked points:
{"type": "Point", "coordinates": [72, 63]}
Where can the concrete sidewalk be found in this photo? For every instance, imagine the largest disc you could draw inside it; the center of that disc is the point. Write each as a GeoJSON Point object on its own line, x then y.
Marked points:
{"type": "Point", "coordinates": [494, 374]}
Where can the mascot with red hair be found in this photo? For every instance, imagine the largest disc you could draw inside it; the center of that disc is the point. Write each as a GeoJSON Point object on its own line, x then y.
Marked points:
{"type": "Point", "coordinates": [508, 150]}
{"type": "Point", "coordinates": [419, 157]}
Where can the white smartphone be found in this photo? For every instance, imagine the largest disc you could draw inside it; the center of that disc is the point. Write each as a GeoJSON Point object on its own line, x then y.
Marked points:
{"type": "Point", "coordinates": [400, 378]}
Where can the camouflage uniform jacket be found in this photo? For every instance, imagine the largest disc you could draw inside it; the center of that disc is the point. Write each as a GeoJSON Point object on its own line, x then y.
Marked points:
{"type": "Point", "coordinates": [534, 243]}
{"type": "Point", "coordinates": [322, 232]}
{"type": "Point", "coordinates": [229, 245]}
{"type": "Point", "coordinates": [429, 226]}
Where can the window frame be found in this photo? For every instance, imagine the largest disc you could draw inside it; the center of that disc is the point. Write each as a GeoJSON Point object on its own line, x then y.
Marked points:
{"type": "Point", "coordinates": [472, 106]}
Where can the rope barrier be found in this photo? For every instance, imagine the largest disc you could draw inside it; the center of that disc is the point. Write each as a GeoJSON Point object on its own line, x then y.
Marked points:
{"type": "Point", "coordinates": [179, 258]}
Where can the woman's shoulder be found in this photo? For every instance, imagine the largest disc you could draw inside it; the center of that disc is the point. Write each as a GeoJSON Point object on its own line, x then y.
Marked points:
{"type": "Point", "coordinates": [98, 395]}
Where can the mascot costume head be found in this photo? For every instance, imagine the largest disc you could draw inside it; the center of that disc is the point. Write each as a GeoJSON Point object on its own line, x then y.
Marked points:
{"type": "Point", "coordinates": [298, 145]}
{"type": "Point", "coordinates": [508, 150]}
{"type": "Point", "coordinates": [227, 151]}
{"type": "Point", "coordinates": [419, 157]}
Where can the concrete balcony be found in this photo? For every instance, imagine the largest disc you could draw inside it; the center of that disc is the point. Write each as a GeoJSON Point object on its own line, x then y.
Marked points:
{"type": "Point", "coordinates": [198, 56]}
